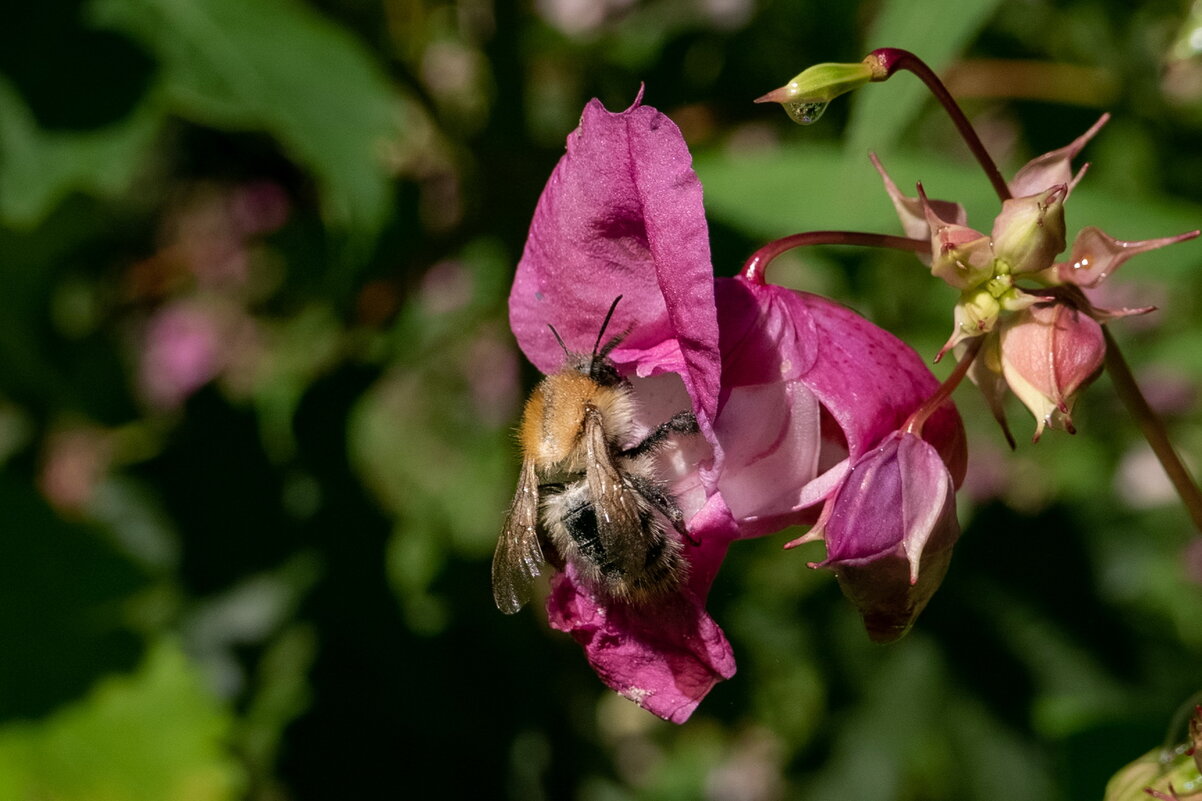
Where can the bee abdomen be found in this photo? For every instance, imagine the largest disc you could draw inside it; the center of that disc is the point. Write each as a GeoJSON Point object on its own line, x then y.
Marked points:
{"type": "Point", "coordinates": [644, 574]}
{"type": "Point", "coordinates": [581, 525]}
{"type": "Point", "coordinates": [663, 570]}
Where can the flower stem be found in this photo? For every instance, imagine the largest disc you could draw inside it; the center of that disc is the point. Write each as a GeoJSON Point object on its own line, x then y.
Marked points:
{"type": "Point", "coordinates": [916, 421]}
{"type": "Point", "coordinates": [756, 265]}
{"type": "Point", "coordinates": [888, 60]}
{"type": "Point", "coordinates": [1152, 427]}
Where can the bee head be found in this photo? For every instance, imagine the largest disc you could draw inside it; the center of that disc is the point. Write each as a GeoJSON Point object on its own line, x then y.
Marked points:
{"type": "Point", "coordinates": [597, 365]}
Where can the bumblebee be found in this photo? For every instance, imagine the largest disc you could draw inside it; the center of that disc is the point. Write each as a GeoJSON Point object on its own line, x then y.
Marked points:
{"type": "Point", "coordinates": [586, 495]}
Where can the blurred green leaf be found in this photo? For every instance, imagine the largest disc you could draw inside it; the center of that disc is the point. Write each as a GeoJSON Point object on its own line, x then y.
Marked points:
{"type": "Point", "coordinates": [39, 168]}
{"type": "Point", "coordinates": [63, 605]}
{"type": "Point", "coordinates": [281, 694]}
{"type": "Point", "coordinates": [934, 30]}
{"type": "Point", "coordinates": [774, 193]}
{"type": "Point", "coordinates": [277, 66]}
{"type": "Point", "coordinates": [150, 736]}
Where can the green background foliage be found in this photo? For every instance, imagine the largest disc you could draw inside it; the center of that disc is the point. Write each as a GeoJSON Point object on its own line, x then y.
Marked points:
{"type": "Point", "coordinates": [267, 577]}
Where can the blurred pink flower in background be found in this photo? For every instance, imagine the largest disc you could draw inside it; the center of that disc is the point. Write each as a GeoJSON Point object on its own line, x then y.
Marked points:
{"type": "Point", "coordinates": [74, 460]}
{"type": "Point", "coordinates": [183, 348]}
{"type": "Point", "coordinates": [1192, 558]}
{"type": "Point", "coordinates": [491, 370]}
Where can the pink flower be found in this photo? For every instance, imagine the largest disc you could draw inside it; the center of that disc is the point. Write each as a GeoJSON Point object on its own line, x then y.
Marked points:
{"type": "Point", "coordinates": [789, 389]}
{"type": "Point", "coordinates": [814, 399]}
{"type": "Point", "coordinates": [622, 215]}
{"type": "Point", "coordinates": [808, 387]}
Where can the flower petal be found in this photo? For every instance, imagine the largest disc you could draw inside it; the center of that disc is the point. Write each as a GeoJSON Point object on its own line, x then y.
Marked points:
{"type": "Point", "coordinates": [772, 438]}
{"type": "Point", "coordinates": [806, 383]}
{"type": "Point", "coordinates": [870, 382]}
{"type": "Point", "coordinates": [1054, 167]}
{"type": "Point", "coordinates": [622, 215]}
{"type": "Point", "coordinates": [910, 209]}
{"type": "Point", "coordinates": [1096, 255]}
{"type": "Point", "coordinates": [666, 658]}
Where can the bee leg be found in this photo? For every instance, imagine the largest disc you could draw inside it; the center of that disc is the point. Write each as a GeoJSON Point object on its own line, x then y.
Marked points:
{"type": "Point", "coordinates": [663, 502]}
{"type": "Point", "coordinates": [679, 423]}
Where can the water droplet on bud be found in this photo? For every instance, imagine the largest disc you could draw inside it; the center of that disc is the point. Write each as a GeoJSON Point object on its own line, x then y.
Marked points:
{"type": "Point", "coordinates": [805, 112]}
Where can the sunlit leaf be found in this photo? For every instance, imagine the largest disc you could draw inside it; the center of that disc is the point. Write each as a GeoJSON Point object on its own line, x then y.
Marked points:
{"type": "Point", "coordinates": [154, 735]}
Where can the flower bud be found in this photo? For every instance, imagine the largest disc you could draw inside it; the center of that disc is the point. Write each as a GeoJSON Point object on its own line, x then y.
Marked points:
{"type": "Point", "coordinates": [1050, 352]}
{"type": "Point", "coordinates": [975, 313]}
{"type": "Point", "coordinates": [1166, 773]}
{"type": "Point", "coordinates": [807, 95]}
{"type": "Point", "coordinates": [961, 256]}
{"type": "Point", "coordinates": [1029, 233]}
{"type": "Point", "coordinates": [889, 532]}
{"type": "Point", "coordinates": [1195, 737]}
{"type": "Point", "coordinates": [1157, 774]}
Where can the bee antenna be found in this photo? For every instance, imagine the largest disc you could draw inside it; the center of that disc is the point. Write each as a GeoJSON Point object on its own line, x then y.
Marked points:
{"type": "Point", "coordinates": [605, 324]}
{"type": "Point", "coordinates": [559, 339]}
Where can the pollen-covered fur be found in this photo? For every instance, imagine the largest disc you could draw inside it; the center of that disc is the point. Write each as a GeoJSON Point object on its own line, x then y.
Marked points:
{"type": "Point", "coordinates": [588, 490]}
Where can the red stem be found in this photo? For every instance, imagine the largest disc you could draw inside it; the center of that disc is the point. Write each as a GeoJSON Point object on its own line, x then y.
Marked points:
{"type": "Point", "coordinates": [916, 421]}
{"type": "Point", "coordinates": [889, 60]}
{"type": "Point", "coordinates": [1152, 427]}
{"type": "Point", "coordinates": [755, 266]}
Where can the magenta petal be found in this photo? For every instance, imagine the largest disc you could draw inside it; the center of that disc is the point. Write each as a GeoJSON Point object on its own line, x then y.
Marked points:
{"type": "Point", "coordinates": [665, 658]}
{"type": "Point", "coordinates": [893, 496]}
{"type": "Point", "coordinates": [622, 215]}
{"type": "Point", "coordinates": [771, 437]}
{"type": "Point", "coordinates": [767, 333]}
{"type": "Point", "coordinates": [870, 382]}
{"type": "Point", "coordinates": [768, 429]}
{"type": "Point", "coordinates": [793, 363]}
{"type": "Point", "coordinates": [867, 521]}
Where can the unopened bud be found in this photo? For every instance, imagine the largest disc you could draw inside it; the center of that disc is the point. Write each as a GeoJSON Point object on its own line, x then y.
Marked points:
{"type": "Point", "coordinates": [807, 95]}
{"type": "Point", "coordinates": [1029, 233]}
{"type": "Point", "coordinates": [961, 256]}
{"type": "Point", "coordinates": [1050, 352]}
{"type": "Point", "coordinates": [889, 532]}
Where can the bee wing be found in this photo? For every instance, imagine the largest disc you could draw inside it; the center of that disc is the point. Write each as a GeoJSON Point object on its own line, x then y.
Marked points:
{"type": "Point", "coordinates": [518, 559]}
{"type": "Point", "coordinates": [617, 504]}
